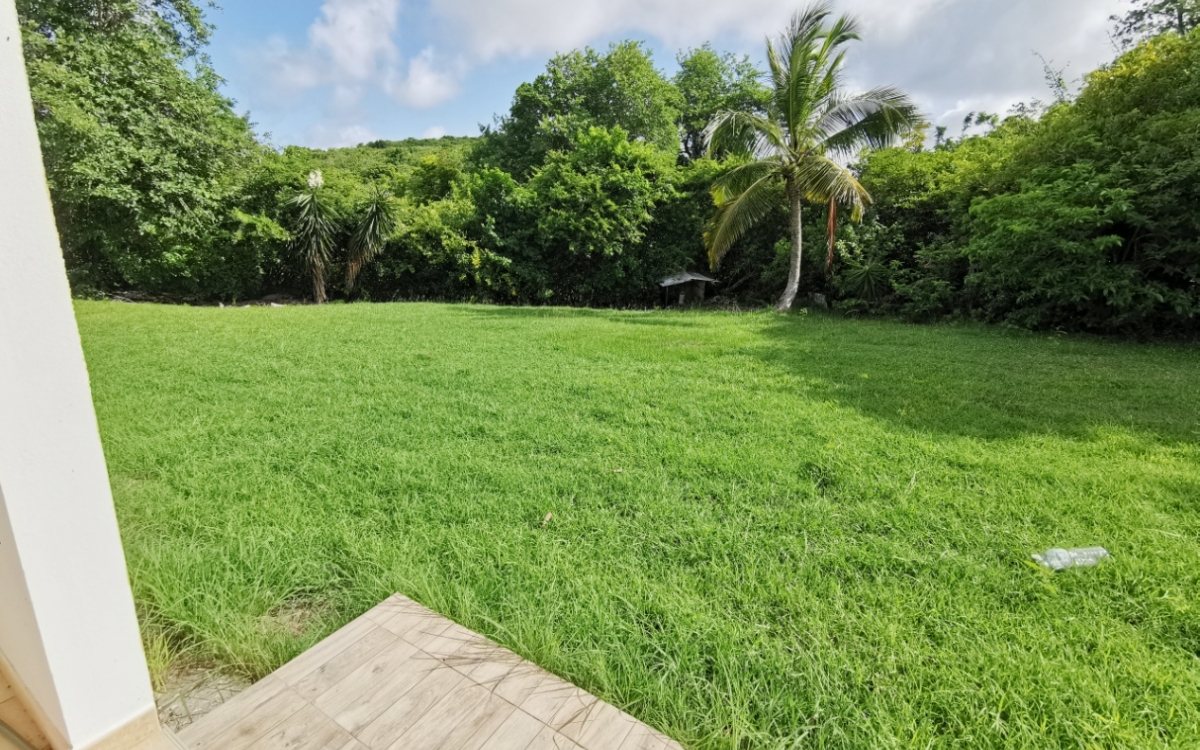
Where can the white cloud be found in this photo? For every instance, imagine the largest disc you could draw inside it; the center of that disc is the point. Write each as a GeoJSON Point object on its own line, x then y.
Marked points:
{"type": "Point", "coordinates": [356, 36]}
{"type": "Point", "coordinates": [498, 28]}
{"type": "Point", "coordinates": [423, 83]}
{"type": "Point", "coordinates": [940, 50]}
{"type": "Point", "coordinates": [348, 45]}
{"type": "Point", "coordinates": [287, 69]}
{"type": "Point", "coordinates": [352, 49]}
{"type": "Point", "coordinates": [336, 136]}
{"type": "Point", "coordinates": [436, 131]}
{"type": "Point", "coordinates": [951, 55]}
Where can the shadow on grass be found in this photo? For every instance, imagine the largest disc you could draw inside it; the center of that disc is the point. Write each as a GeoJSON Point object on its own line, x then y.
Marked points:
{"type": "Point", "coordinates": [990, 383]}
{"type": "Point", "coordinates": [963, 380]}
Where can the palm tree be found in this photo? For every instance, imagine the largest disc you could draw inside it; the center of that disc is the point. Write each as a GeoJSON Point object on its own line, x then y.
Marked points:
{"type": "Point", "coordinates": [810, 124]}
{"type": "Point", "coordinates": [316, 227]}
{"type": "Point", "coordinates": [376, 225]}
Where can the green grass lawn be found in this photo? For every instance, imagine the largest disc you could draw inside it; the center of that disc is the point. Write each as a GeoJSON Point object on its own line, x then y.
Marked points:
{"type": "Point", "coordinates": [767, 532]}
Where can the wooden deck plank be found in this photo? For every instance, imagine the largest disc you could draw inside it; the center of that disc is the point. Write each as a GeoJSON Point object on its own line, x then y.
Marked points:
{"type": "Point", "coordinates": [301, 666]}
{"type": "Point", "coordinates": [257, 724]}
{"type": "Point", "coordinates": [14, 714]}
{"type": "Point", "coordinates": [446, 644]}
{"type": "Point", "coordinates": [389, 672]}
{"type": "Point", "coordinates": [231, 713]}
{"type": "Point", "coordinates": [645, 738]}
{"type": "Point", "coordinates": [548, 739]}
{"type": "Point", "coordinates": [391, 721]}
{"type": "Point", "coordinates": [323, 678]}
{"type": "Point", "coordinates": [427, 633]}
{"type": "Point", "coordinates": [521, 682]}
{"type": "Point", "coordinates": [411, 621]}
{"type": "Point", "coordinates": [309, 729]}
{"type": "Point", "coordinates": [604, 728]}
{"type": "Point", "coordinates": [516, 733]}
{"type": "Point", "coordinates": [576, 713]}
{"type": "Point", "coordinates": [479, 724]}
{"type": "Point", "coordinates": [554, 702]}
{"type": "Point", "coordinates": [385, 610]}
{"type": "Point", "coordinates": [485, 663]}
{"type": "Point", "coordinates": [435, 726]}
{"type": "Point", "coordinates": [401, 677]}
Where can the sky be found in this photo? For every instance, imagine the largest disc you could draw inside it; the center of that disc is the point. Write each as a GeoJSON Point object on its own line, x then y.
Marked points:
{"type": "Point", "coordinates": [329, 73]}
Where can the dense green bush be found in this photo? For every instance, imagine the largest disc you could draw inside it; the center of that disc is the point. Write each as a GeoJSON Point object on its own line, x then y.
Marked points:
{"type": "Point", "coordinates": [143, 154]}
{"type": "Point", "coordinates": [1081, 220]}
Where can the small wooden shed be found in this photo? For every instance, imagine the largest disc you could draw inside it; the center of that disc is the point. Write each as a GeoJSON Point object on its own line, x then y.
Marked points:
{"type": "Point", "coordinates": [685, 288]}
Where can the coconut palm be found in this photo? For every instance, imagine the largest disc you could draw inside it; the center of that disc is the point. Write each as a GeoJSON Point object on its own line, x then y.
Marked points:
{"type": "Point", "coordinates": [315, 230]}
{"type": "Point", "coordinates": [811, 127]}
{"type": "Point", "coordinates": [378, 221]}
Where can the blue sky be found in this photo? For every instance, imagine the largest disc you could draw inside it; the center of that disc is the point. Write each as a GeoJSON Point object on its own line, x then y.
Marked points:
{"type": "Point", "coordinates": [339, 72]}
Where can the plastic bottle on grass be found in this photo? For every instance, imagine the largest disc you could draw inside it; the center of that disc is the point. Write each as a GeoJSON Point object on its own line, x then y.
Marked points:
{"type": "Point", "coordinates": [1065, 559]}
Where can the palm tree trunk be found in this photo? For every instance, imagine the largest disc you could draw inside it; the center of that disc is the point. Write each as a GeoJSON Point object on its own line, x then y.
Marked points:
{"type": "Point", "coordinates": [793, 286]}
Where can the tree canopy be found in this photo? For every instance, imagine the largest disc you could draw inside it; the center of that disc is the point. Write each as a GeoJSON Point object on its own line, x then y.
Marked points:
{"type": "Point", "coordinates": [596, 183]}
{"type": "Point", "coordinates": [620, 88]}
{"type": "Point", "coordinates": [1149, 18]}
{"type": "Point", "coordinates": [709, 83]}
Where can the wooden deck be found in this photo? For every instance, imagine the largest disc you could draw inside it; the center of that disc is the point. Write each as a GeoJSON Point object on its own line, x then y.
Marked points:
{"type": "Point", "coordinates": [17, 719]}
{"type": "Point", "coordinates": [404, 678]}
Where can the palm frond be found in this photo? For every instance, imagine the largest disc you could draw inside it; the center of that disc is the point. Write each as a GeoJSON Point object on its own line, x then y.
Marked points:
{"type": "Point", "coordinates": [739, 179]}
{"type": "Point", "coordinates": [378, 221]}
{"type": "Point", "coordinates": [875, 119]}
{"type": "Point", "coordinates": [737, 213]}
{"type": "Point", "coordinates": [822, 179]}
{"type": "Point", "coordinates": [744, 134]}
{"type": "Point", "coordinates": [792, 61]}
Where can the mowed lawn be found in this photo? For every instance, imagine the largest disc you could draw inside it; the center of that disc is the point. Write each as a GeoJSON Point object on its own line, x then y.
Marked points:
{"type": "Point", "coordinates": [767, 532]}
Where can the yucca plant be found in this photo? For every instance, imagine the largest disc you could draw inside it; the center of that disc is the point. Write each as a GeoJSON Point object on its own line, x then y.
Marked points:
{"type": "Point", "coordinates": [867, 279]}
{"type": "Point", "coordinates": [315, 233]}
{"type": "Point", "coordinates": [378, 219]}
{"type": "Point", "coordinates": [811, 127]}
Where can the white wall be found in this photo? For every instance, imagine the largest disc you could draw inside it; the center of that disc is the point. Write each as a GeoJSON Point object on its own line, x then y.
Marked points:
{"type": "Point", "coordinates": [58, 533]}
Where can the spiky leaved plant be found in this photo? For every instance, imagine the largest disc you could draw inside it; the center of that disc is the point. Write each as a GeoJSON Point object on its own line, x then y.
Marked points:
{"type": "Point", "coordinates": [378, 219]}
{"type": "Point", "coordinates": [315, 232]}
{"type": "Point", "coordinates": [810, 124]}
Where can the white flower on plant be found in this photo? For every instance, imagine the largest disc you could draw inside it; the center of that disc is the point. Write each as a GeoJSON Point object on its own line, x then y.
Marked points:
{"type": "Point", "coordinates": [316, 180]}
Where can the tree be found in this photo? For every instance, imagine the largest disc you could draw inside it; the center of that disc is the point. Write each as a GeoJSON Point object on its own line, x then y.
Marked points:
{"type": "Point", "coordinates": [377, 222]}
{"type": "Point", "coordinates": [810, 123]}
{"type": "Point", "coordinates": [1152, 17]}
{"type": "Point", "coordinates": [143, 153]}
{"type": "Point", "coordinates": [590, 208]}
{"type": "Point", "coordinates": [315, 233]}
{"type": "Point", "coordinates": [580, 90]}
{"type": "Point", "coordinates": [708, 83]}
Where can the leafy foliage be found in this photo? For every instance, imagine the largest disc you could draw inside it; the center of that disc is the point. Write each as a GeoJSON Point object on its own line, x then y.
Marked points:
{"type": "Point", "coordinates": [710, 83]}
{"type": "Point", "coordinates": [810, 121]}
{"type": "Point", "coordinates": [316, 229]}
{"type": "Point", "coordinates": [579, 90]}
{"type": "Point", "coordinates": [1074, 221]}
{"type": "Point", "coordinates": [605, 176]}
{"type": "Point", "coordinates": [142, 152]}
{"type": "Point", "coordinates": [1149, 18]}
{"type": "Point", "coordinates": [377, 223]}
